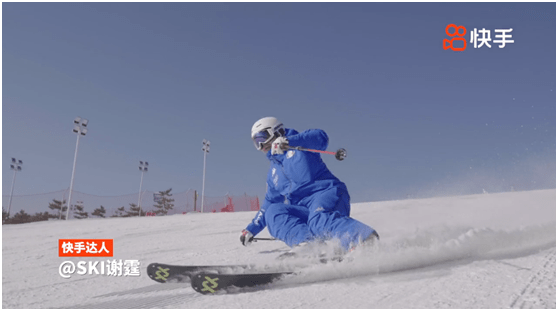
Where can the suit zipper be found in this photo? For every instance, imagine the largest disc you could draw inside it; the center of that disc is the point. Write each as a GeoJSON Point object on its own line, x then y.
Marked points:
{"type": "Point", "coordinates": [287, 197]}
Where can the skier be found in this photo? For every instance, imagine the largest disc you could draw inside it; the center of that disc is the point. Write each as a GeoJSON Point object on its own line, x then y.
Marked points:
{"type": "Point", "coordinates": [304, 200]}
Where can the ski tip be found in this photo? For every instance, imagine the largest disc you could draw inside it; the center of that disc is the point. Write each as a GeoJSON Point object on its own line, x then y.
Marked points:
{"type": "Point", "coordinates": [205, 283]}
{"type": "Point", "coordinates": [158, 273]}
{"type": "Point", "coordinates": [211, 283]}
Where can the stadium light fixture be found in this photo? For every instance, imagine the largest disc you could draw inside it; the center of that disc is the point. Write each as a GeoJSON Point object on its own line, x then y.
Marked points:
{"type": "Point", "coordinates": [143, 169]}
{"type": "Point", "coordinates": [205, 149]}
{"type": "Point", "coordinates": [80, 128]}
{"type": "Point", "coordinates": [16, 167]}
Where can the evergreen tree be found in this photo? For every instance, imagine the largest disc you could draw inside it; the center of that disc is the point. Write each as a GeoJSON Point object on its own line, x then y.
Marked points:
{"type": "Point", "coordinates": [59, 207]}
{"type": "Point", "coordinates": [4, 215]}
{"type": "Point", "coordinates": [134, 210]}
{"type": "Point", "coordinates": [40, 217]}
{"type": "Point", "coordinates": [120, 212]}
{"type": "Point", "coordinates": [79, 212]}
{"type": "Point", "coordinates": [20, 218]}
{"type": "Point", "coordinates": [165, 203]}
{"type": "Point", "coordinates": [100, 212]}
{"type": "Point", "coordinates": [63, 213]}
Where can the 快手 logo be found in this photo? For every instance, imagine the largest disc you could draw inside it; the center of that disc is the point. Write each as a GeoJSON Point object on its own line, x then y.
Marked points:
{"type": "Point", "coordinates": [479, 38]}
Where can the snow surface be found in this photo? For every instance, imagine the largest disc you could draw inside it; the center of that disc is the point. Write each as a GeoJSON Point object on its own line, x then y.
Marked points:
{"type": "Point", "coordinates": [479, 251]}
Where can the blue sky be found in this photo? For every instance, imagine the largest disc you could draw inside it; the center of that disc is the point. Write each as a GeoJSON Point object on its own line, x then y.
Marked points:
{"type": "Point", "coordinates": [155, 79]}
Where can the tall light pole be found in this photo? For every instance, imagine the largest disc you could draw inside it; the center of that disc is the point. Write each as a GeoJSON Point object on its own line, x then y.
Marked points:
{"type": "Point", "coordinates": [205, 150]}
{"type": "Point", "coordinates": [80, 128]}
{"type": "Point", "coordinates": [143, 169]}
{"type": "Point", "coordinates": [16, 167]}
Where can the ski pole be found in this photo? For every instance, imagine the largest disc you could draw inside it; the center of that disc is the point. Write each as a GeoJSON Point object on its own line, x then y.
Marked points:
{"type": "Point", "coordinates": [340, 154]}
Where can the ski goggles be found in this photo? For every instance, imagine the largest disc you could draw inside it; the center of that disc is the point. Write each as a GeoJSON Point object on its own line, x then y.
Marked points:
{"type": "Point", "coordinates": [265, 137]}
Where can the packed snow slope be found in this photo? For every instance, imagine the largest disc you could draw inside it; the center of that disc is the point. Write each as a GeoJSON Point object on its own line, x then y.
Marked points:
{"type": "Point", "coordinates": [478, 251]}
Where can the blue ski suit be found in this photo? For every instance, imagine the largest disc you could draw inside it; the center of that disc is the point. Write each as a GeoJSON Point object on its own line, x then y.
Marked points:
{"type": "Point", "coordinates": [304, 200]}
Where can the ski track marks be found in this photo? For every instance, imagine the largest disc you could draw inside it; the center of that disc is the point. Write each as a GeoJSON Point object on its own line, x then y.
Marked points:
{"type": "Point", "coordinates": [153, 296]}
{"type": "Point", "coordinates": [540, 290]}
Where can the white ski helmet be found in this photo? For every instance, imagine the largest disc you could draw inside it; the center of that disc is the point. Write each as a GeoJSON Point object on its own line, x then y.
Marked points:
{"type": "Point", "coordinates": [266, 130]}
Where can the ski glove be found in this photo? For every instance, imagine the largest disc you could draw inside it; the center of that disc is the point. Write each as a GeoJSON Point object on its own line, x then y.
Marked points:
{"type": "Point", "coordinates": [280, 145]}
{"type": "Point", "coordinates": [246, 237]}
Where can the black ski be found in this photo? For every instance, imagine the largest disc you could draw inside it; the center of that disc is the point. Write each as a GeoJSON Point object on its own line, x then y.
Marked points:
{"type": "Point", "coordinates": [209, 283]}
{"type": "Point", "coordinates": [164, 273]}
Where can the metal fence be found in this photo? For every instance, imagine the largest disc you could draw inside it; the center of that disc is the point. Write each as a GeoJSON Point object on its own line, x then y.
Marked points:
{"type": "Point", "coordinates": [184, 202]}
